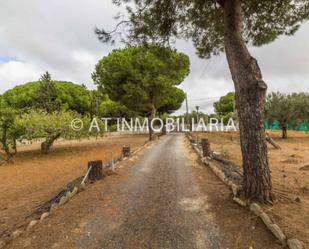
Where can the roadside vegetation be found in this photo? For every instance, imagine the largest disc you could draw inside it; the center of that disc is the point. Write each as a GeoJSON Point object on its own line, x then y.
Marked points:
{"type": "Point", "coordinates": [215, 27]}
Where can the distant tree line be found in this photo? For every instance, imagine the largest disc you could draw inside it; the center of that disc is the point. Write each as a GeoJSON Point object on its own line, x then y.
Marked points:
{"type": "Point", "coordinates": [44, 110]}
{"type": "Point", "coordinates": [288, 110]}
{"type": "Point", "coordinates": [131, 82]}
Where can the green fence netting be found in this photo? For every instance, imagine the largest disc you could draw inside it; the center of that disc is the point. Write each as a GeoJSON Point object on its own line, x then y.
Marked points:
{"type": "Point", "coordinates": [304, 126]}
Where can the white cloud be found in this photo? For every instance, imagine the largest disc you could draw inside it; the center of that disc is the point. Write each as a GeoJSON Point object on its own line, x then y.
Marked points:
{"type": "Point", "coordinates": [13, 73]}
{"type": "Point", "coordinates": [58, 36]}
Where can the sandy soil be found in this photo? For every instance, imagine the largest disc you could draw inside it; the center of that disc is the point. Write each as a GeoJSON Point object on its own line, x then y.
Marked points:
{"type": "Point", "coordinates": [163, 197]}
{"type": "Point", "coordinates": [289, 181]}
{"type": "Point", "coordinates": [35, 178]}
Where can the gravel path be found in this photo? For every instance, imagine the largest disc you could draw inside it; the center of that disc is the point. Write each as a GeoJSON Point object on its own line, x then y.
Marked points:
{"type": "Point", "coordinates": [161, 198]}
{"type": "Point", "coordinates": [162, 206]}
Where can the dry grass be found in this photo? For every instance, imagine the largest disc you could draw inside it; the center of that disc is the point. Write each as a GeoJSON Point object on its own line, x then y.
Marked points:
{"type": "Point", "coordinates": [35, 178]}
{"type": "Point", "coordinates": [289, 174]}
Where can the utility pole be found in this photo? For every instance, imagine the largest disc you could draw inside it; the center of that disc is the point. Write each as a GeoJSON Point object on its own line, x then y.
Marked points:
{"type": "Point", "coordinates": [197, 114]}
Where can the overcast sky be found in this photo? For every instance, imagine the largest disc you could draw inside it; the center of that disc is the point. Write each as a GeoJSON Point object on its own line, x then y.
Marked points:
{"type": "Point", "coordinates": [58, 36]}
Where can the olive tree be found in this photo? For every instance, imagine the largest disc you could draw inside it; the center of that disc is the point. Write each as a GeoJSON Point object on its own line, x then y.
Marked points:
{"type": "Point", "coordinates": [52, 126]}
{"type": "Point", "coordinates": [287, 109]}
{"type": "Point", "coordinates": [10, 131]}
{"type": "Point", "coordinates": [216, 26]}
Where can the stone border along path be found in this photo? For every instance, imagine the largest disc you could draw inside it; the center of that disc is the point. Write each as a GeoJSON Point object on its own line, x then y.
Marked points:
{"type": "Point", "coordinates": [253, 207]}
{"type": "Point", "coordinates": [65, 198]}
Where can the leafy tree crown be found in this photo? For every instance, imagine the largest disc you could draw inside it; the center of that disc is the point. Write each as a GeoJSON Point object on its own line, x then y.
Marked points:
{"type": "Point", "coordinates": [202, 21]}
{"type": "Point", "coordinates": [141, 76]}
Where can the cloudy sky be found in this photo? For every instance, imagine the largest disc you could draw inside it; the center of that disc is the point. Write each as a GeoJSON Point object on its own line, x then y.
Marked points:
{"type": "Point", "coordinates": [57, 36]}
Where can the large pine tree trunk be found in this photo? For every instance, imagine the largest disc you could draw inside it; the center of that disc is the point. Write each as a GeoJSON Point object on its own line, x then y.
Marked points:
{"type": "Point", "coordinates": [250, 100]}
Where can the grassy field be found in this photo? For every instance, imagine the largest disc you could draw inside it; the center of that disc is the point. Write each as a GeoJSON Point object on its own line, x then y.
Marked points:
{"type": "Point", "coordinates": [35, 178]}
{"type": "Point", "coordinates": [290, 181]}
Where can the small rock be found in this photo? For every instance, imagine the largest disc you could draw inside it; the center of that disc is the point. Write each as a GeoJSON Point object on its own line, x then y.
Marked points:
{"type": "Point", "coordinates": [265, 218]}
{"type": "Point", "coordinates": [82, 186]}
{"type": "Point", "coordinates": [55, 245]}
{"type": "Point", "coordinates": [239, 201]}
{"type": "Point", "coordinates": [53, 207]}
{"type": "Point", "coordinates": [297, 199]}
{"type": "Point", "coordinates": [234, 189]}
{"type": "Point", "coordinates": [275, 229]}
{"type": "Point", "coordinates": [16, 234]}
{"type": "Point", "coordinates": [68, 195]}
{"type": "Point", "coordinates": [294, 244]}
{"type": "Point", "coordinates": [304, 168]}
{"type": "Point", "coordinates": [31, 225]}
{"type": "Point", "coordinates": [74, 191]}
{"type": "Point", "coordinates": [63, 200]}
{"type": "Point", "coordinates": [2, 244]}
{"type": "Point", "coordinates": [44, 215]}
{"type": "Point", "coordinates": [256, 209]}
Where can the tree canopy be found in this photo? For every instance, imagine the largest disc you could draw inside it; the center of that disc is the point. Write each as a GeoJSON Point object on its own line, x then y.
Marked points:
{"type": "Point", "coordinates": [287, 109]}
{"type": "Point", "coordinates": [225, 107]}
{"type": "Point", "coordinates": [174, 102]}
{"type": "Point", "coordinates": [47, 94]}
{"type": "Point", "coordinates": [112, 109]}
{"type": "Point", "coordinates": [69, 96]}
{"type": "Point", "coordinates": [202, 22]}
{"type": "Point", "coordinates": [214, 27]}
{"type": "Point", "coordinates": [143, 78]}
{"type": "Point", "coordinates": [225, 104]}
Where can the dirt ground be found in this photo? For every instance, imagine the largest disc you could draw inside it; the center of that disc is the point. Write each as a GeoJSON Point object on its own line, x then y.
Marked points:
{"type": "Point", "coordinates": [162, 197]}
{"type": "Point", "coordinates": [290, 173]}
{"type": "Point", "coordinates": [35, 178]}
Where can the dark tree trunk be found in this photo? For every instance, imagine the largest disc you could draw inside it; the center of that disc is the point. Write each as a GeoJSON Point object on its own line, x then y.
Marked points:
{"type": "Point", "coordinates": [126, 151]}
{"type": "Point", "coordinates": [250, 99]}
{"type": "Point", "coordinates": [284, 132]}
{"type": "Point", "coordinates": [150, 118]}
{"type": "Point", "coordinates": [14, 146]}
{"type": "Point", "coordinates": [206, 147]}
{"type": "Point", "coordinates": [6, 147]}
{"type": "Point", "coordinates": [96, 172]}
{"type": "Point", "coordinates": [48, 143]}
{"type": "Point", "coordinates": [164, 126]}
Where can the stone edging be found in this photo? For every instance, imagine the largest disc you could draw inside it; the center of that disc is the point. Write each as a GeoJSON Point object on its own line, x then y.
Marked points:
{"type": "Point", "coordinates": [63, 200]}
{"type": "Point", "coordinates": [253, 207]}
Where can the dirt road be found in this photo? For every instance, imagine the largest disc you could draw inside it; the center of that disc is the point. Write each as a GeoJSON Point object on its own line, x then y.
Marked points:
{"type": "Point", "coordinates": [162, 199]}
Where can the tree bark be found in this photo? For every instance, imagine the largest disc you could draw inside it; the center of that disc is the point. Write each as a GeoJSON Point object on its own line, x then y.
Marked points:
{"type": "Point", "coordinates": [5, 146]}
{"type": "Point", "coordinates": [150, 118]}
{"type": "Point", "coordinates": [206, 147]}
{"type": "Point", "coordinates": [96, 172]}
{"type": "Point", "coordinates": [284, 132]}
{"type": "Point", "coordinates": [126, 151]}
{"type": "Point", "coordinates": [272, 142]}
{"type": "Point", "coordinates": [250, 99]}
{"type": "Point", "coordinates": [48, 143]}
